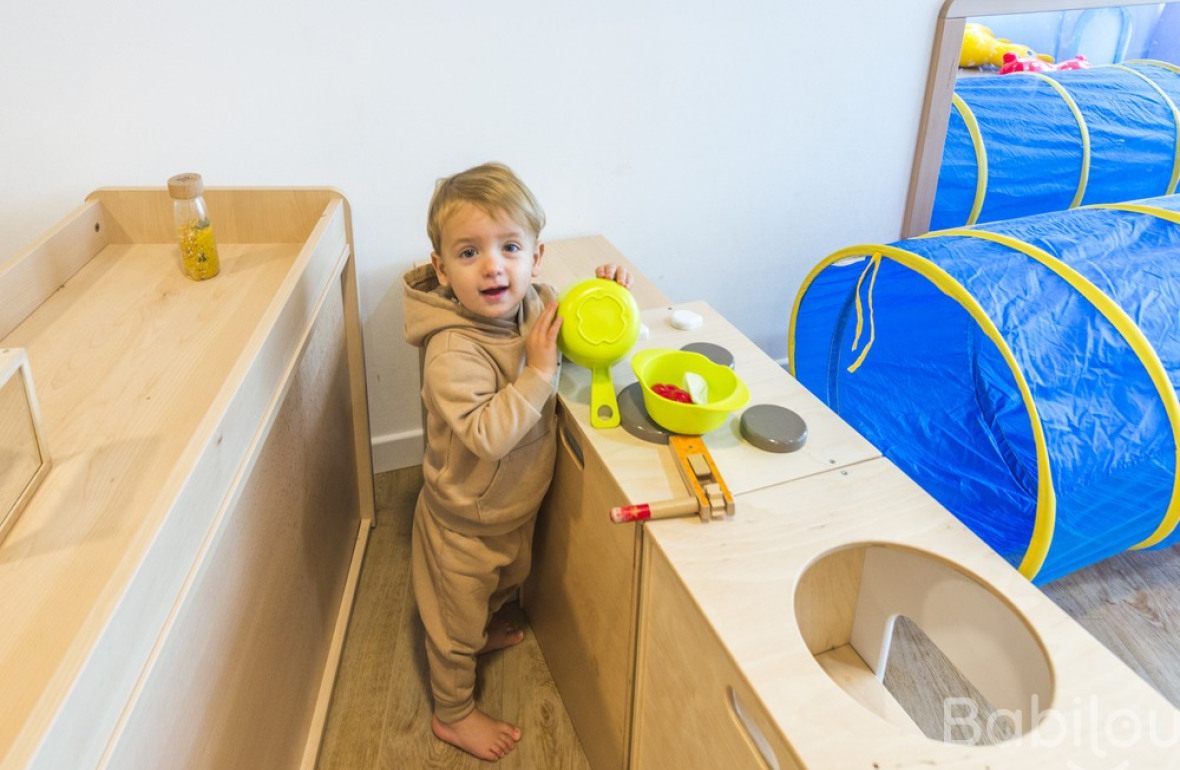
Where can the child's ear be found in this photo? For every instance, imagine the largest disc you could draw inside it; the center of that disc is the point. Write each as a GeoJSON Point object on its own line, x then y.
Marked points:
{"type": "Point", "coordinates": [436, 260]}
{"type": "Point", "coordinates": [537, 255]}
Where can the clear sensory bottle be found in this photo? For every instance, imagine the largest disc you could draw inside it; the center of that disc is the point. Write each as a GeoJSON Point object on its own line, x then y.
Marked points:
{"type": "Point", "coordinates": [198, 250]}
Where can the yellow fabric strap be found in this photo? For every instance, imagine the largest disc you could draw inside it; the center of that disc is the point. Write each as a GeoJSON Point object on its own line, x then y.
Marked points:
{"type": "Point", "coordinates": [1083, 131]}
{"type": "Point", "coordinates": [1046, 513]}
{"type": "Point", "coordinates": [1175, 124]}
{"type": "Point", "coordinates": [980, 156]}
{"type": "Point", "coordinates": [1135, 338]}
{"type": "Point", "coordinates": [874, 265]}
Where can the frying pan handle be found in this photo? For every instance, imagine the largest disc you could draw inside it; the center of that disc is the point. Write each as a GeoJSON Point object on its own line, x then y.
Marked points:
{"type": "Point", "coordinates": [604, 405]}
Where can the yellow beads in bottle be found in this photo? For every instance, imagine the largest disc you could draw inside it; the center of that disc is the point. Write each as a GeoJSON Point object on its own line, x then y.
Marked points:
{"type": "Point", "coordinates": [198, 250]}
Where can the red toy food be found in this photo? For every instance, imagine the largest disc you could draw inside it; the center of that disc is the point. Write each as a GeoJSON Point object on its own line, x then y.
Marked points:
{"type": "Point", "coordinates": [1014, 63]}
{"type": "Point", "coordinates": [672, 393]}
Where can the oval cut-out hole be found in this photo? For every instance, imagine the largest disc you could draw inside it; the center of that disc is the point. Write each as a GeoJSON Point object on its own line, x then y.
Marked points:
{"type": "Point", "coordinates": [978, 673]}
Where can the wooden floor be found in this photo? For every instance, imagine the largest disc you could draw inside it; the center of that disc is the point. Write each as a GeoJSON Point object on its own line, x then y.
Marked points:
{"type": "Point", "coordinates": [1131, 603]}
{"type": "Point", "coordinates": [380, 712]}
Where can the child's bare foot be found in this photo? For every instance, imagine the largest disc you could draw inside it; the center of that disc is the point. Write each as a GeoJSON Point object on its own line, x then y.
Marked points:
{"type": "Point", "coordinates": [502, 633]}
{"type": "Point", "coordinates": [478, 734]}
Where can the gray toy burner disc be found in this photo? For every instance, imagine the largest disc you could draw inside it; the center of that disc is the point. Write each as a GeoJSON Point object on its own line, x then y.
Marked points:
{"type": "Point", "coordinates": [714, 353]}
{"type": "Point", "coordinates": [773, 428]}
{"type": "Point", "coordinates": [633, 416]}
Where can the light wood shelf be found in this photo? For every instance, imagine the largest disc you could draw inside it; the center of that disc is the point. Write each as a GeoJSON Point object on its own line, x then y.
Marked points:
{"type": "Point", "coordinates": [160, 545]}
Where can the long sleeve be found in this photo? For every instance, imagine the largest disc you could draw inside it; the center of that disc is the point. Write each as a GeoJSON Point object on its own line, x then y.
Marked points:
{"type": "Point", "coordinates": [489, 421]}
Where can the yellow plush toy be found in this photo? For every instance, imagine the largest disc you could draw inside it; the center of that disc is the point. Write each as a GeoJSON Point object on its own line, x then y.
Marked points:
{"type": "Point", "coordinates": [981, 47]}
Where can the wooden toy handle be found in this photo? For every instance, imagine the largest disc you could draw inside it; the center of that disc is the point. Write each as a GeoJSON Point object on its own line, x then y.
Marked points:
{"type": "Point", "coordinates": [664, 509]}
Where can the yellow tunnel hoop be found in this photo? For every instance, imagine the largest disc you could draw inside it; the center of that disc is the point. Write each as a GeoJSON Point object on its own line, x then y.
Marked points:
{"type": "Point", "coordinates": [1175, 123]}
{"type": "Point", "coordinates": [1134, 337]}
{"type": "Point", "coordinates": [976, 135]}
{"type": "Point", "coordinates": [1083, 131]}
{"type": "Point", "coordinates": [1140, 208]}
{"type": "Point", "coordinates": [1155, 63]}
{"type": "Point", "coordinates": [1046, 511]}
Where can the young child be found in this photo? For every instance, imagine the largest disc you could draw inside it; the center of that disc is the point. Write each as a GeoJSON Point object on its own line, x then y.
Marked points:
{"type": "Point", "coordinates": [489, 384]}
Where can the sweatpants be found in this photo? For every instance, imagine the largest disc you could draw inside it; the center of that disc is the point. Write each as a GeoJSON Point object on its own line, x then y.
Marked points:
{"type": "Point", "coordinates": [459, 581]}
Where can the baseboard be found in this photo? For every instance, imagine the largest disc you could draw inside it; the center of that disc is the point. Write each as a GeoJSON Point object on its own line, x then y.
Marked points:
{"type": "Point", "coordinates": [392, 451]}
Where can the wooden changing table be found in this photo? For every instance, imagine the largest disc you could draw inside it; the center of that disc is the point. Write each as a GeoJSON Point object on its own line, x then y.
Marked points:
{"type": "Point", "coordinates": [176, 592]}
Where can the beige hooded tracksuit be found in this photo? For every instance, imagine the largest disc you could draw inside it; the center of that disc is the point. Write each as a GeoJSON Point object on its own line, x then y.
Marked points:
{"type": "Point", "coordinates": [490, 448]}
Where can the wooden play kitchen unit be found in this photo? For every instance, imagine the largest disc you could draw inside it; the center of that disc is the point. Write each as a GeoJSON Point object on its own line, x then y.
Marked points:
{"type": "Point", "coordinates": [760, 640]}
{"type": "Point", "coordinates": [175, 592]}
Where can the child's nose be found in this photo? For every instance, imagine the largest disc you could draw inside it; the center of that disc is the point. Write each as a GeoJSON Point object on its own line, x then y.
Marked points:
{"type": "Point", "coordinates": [493, 264]}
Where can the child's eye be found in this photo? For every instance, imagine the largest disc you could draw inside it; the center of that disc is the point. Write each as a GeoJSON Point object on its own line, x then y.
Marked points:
{"type": "Point", "coordinates": [466, 253]}
{"type": "Point", "coordinates": [512, 247]}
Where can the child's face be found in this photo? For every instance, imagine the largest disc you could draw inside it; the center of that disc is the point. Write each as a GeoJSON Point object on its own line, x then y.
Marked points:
{"type": "Point", "coordinates": [487, 261]}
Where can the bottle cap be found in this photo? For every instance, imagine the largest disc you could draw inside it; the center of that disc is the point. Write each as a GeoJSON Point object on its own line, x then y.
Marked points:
{"type": "Point", "coordinates": [185, 186]}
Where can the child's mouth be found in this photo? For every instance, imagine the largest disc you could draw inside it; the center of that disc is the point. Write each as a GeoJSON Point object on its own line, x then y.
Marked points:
{"type": "Point", "coordinates": [495, 292]}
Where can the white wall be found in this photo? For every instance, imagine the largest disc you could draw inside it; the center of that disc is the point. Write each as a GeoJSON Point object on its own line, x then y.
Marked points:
{"type": "Point", "coordinates": [724, 147]}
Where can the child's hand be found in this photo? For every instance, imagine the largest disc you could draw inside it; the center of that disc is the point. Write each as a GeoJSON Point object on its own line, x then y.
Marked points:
{"type": "Point", "coordinates": [540, 346]}
{"type": "Point", "coordinates": [616, 273]}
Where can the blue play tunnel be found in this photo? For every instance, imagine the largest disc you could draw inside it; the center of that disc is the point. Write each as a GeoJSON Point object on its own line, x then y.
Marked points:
{"type": "Point", "coordinates": [1028, 143]}
{"type": "Point", "coordinates": [1024, 373]}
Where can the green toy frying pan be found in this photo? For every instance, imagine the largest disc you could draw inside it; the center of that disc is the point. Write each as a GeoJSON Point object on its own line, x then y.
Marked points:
{"type": "Point", "coordinates": [600, 324]}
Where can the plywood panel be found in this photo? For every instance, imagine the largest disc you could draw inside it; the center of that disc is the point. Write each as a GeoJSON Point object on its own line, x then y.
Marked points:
{"type": "Point", "coordinates": [235, 678]}
{"type": "Point", "coordinates": [234, 681]}
{"type": "Point", "coordinates": [693, 708]}
{"type": "Point", "coordinates": [238, 215]}
{"type": "Point", "coordinates": [28, 279]}
{"type": "Point", "coordinates": [581, 599]}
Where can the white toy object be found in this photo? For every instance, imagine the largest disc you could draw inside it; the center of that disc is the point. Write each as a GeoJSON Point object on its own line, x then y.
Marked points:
{"type": "Point", "coordinates": [686, 319]}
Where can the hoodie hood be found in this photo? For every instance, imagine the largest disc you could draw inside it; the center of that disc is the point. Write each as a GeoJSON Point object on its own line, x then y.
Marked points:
{"type": "Point", "coordinates": [431, 308]}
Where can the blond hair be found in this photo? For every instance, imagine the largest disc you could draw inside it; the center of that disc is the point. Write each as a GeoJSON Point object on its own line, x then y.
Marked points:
{"type": "Point", "coordinates": [490, 186]}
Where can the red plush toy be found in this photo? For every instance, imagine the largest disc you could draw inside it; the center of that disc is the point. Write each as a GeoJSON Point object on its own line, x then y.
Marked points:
{"type": "Point", "coordinates": [1014, 63]}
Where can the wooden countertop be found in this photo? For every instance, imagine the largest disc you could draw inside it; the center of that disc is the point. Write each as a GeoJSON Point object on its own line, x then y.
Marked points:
{"type": "Point", "coordinates": [645, 471]}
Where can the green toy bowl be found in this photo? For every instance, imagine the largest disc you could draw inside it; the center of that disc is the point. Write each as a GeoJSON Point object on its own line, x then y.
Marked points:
{"type": "Point", "coordinates": [726, 390]}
